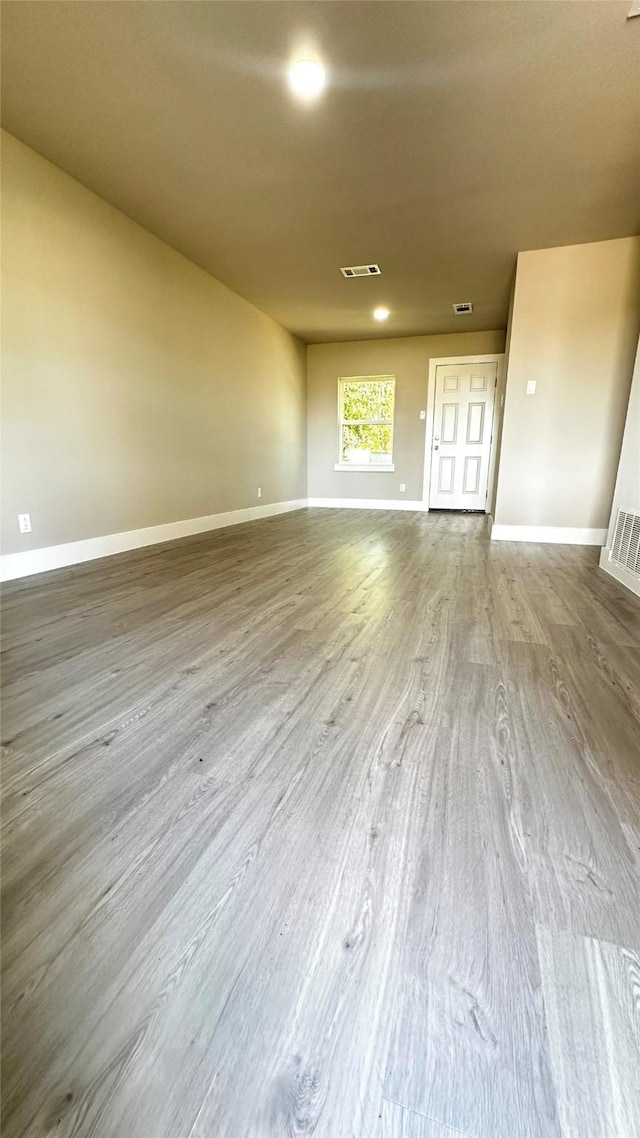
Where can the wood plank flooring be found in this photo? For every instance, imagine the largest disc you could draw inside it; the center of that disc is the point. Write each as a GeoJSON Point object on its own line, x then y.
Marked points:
{"type": "Point", "coordinates": [323, 825]}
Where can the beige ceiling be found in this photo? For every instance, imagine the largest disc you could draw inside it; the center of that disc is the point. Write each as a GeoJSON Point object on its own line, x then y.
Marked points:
{"type": "Point", "coordinates": [452, 134]}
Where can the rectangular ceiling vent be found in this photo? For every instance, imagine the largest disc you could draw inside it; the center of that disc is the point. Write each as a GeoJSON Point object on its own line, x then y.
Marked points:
{"type": "Point", "coordinates": [625, 550]}
{"type": "Point", "coordinates": [361, 271]}
{"type": "Point", "coordinates": [460, 309]}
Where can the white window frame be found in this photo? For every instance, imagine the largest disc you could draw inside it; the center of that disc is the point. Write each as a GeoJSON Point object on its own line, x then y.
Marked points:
{"type": "Point", "coordinates": [366, 467]}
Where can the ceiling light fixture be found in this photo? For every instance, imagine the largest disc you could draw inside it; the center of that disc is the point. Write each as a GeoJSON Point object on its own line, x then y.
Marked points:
{"type": "Point", "coordinates": [380, 313]}
{"type": "Point", "coordinates": [307, 78]}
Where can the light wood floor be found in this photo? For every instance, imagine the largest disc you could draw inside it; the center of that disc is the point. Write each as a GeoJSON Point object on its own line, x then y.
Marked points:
{"type": "Point", "coordinates": [323, 825]}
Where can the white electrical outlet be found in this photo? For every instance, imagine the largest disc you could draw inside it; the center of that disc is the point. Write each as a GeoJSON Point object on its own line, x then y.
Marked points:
{"type": "Point", "coordinates": [423, 414]}
{"type": "Point", "coordinates": [259, 491]}
{"type": "Point", "coordinates": [24, 523]}
{"type": "Point", "coordinates": [403, 487]}
{"type": "Point", "coordinates": [531, 387]}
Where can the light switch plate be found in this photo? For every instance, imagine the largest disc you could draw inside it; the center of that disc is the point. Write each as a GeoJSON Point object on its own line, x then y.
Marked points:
{"type": "Point", "coordinates": [531, 387]}
{"type": "Point", "coordinates": [423, 414]}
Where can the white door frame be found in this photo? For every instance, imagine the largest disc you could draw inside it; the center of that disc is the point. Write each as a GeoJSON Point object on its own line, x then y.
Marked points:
{"type": "Point", "coordinates": [497, 358]}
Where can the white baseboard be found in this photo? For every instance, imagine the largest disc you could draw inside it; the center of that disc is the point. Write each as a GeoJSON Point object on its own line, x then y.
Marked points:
{"type": "Point", "coordinates": [367, 504]}
{"type": "Point", "coordinates": [622, 576]}
{"type": "Point", "coordinates": [557, 535]}
{"type": "Point", "coordinates": [14, 565]}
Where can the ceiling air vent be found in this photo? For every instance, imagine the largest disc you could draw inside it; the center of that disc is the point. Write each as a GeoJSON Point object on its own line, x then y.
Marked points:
{"type": "Point", "coordinates": [460, 309]}
{"type": "Point", "coordinates": [625, 550]}
{"type": "Point", "coordinates": [361, 271]}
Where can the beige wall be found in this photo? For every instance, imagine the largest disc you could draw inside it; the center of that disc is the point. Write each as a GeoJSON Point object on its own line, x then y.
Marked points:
{"type": "Point", "coordinates": [407, 359]}
{"type": "Point", "coordinates": [136, 389]}
{"type": "Point", "coordinates": [497, 434]}
{"type": "Point", "coordinates": [574, 330]}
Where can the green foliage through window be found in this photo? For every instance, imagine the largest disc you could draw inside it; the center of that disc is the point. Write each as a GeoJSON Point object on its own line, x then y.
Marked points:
{"type": "Point", "coordinates": [367, 399]}
{"type": "Point", "coordinates": [366, 427]}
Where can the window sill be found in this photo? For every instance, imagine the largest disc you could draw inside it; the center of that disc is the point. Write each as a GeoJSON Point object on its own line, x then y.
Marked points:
{"type": "Point", "coordinates": [368, 468]}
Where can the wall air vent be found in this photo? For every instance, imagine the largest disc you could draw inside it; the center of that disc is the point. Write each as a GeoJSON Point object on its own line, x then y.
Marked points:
{"type": "Point", "coordinates": [625, 549]}
{"type": "Point", "coordinates": [460, 309]}
{"type": "Point", "coordinates": [361, 271]}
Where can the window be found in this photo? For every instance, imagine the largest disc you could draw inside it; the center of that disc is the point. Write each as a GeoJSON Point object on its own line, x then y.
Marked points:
{"type": "Point", "coordinates": [365, 423]}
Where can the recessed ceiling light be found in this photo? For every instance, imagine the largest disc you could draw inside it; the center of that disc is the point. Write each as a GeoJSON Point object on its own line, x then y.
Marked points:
{"type": "Point", "coordinates": [307, 78]}
{"type": "Point", "coordinates": [380, 313]}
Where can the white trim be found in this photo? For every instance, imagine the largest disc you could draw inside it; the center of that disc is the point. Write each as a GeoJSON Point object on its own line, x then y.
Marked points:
{"type": "Point", "coordinates": [366, 504]}
{"type": "Point", "coordinates": [365, 468]}
{"type": "Point", "coordinates": [622, 576]}
{"type": "Point", "coordinates": [14, 565]}
{"type": "Point", "coordinates": [556, 535]}
{"type": "Point", "coordinates": [436, 362]}
{"type": "Point", "coordinates": [366, 378]}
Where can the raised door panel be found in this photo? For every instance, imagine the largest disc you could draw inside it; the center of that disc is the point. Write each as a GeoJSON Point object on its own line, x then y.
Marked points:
{"type": "Point", "coordinates": [446, 474]}
{"type": "Point", "coordinates": [475, 423]}
{"type": "Point", "coordinates": [449, 427]}
{"type": "Point", "coordinates": [471, 475]}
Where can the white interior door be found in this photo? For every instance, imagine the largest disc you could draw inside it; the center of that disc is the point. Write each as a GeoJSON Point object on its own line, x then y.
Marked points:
{"type": "Point", "coordinates": [462, 428]}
